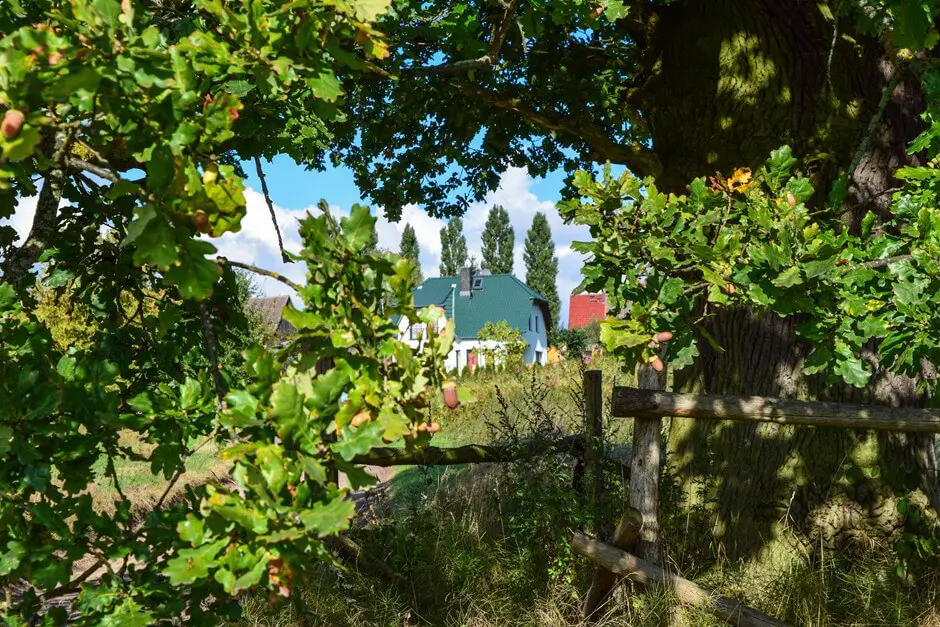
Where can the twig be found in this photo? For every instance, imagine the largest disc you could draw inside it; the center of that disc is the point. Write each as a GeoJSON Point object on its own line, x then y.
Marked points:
{"type": "Point", "coordinates": [97, 170]}
{"type": "Point", "coordinates": [210, 350]}
{"type": "Point", "coordinates": [267, 198]}
{"type": "Point", "coordinates": [179, 471]}
{"type": "Point", "coordinates": [113, 472]}
{"type": "Point", "coordinates": [881, 263]}
{"type": "Point", "coordinates": [268, 273]}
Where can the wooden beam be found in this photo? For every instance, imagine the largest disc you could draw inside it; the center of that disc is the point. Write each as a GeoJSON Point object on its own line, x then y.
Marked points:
{"type": "Point", "coordinates": [470, 454]}
{"type": "Point", "coordinates": [594, 446]}
{"type": "Point", "coordinates": [645, 467]}
{"type": "Point", "coordinates": [688, 592]}
{"type": "Point", "coordinates": [648, 404]}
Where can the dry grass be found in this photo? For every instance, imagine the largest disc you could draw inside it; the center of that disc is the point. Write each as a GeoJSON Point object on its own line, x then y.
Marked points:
{"type": "Point", "coordinates": [142, 487]}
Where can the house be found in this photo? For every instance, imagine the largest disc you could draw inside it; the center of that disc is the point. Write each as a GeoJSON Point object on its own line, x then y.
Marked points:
{"type": "Point", "coordinates": [583, 309]}
{"type": "Point", "coordinates": [271, 309]}
{"type": "Point", "coordinates": [472, 301]}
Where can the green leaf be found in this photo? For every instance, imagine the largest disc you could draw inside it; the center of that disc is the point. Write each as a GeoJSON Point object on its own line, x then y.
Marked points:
{"type": "Point", "coordinates": [325, 86]}
{"type": "Point", "coordinates": [66, 367]}
{"type": "Point", "coordinates": [615, 10]}
{"type": "Point", "coordinates": [359, 227]}
{"type": "Point", "coordinates": [192, 530]}
{"type": "Point", "coordinates": [160, 169]}
{"type": "Point", "coordinates": [23, 145]}
{"type": "Point", "coordinates": [852, 370]}
{"type": "Point", "coordinates": [360, 441]}
{"type": "Point", "coordinates": [329, 518]}
{"type": "Point", "coordinates": [193, 564]}
{"type": "Point", "coordinates": [141, 403]}
{"type": "Point", "coordinates": [109, 10]}
{"type": "Point", "coordinates": [287, 409]}
{"type": "Point", "coordinates": [789, 277]}
{"type": "Point", "coordinates": [241, 410]}
{"type": "Point", "coordinates": [153, 239]}
{"type": "Point", "coordinates": [6, 438]}
{"type": "Point", "coordinates": [11, 560]}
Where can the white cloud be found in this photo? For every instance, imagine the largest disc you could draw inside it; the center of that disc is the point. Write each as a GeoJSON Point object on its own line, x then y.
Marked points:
{"type": "Point", "coordinates": [256, 242]}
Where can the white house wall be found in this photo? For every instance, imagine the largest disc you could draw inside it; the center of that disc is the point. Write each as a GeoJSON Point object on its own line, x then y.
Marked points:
{"type": "Point", "coordinates": [536, 342]}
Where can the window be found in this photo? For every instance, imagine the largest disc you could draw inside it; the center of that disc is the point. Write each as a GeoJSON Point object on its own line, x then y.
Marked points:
{"type": "Point", "coordinates": [536, 323]}
{"type": "Point", "coordinates": [457, 360]}
{"type": "Point", "coordinates": [530, 323]}
{"type": "Point", "coordinates": [478, 283]}
{"type": "Point", "coordinates": [538, 357]}
{"type": "Point", "coordinates": [419, 329]}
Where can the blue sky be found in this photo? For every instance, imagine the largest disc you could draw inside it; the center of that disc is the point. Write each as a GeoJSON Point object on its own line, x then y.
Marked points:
{"type": "Point", "coordinates": [295, 190]}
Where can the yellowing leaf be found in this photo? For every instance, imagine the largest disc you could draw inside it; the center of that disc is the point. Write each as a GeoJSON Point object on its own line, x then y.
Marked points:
{"type": "Point", "coordinates": [740, 180]}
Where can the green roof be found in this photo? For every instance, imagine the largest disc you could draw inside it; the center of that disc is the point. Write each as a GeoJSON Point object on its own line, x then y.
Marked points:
{"type": "Point", "coordinates": [501, 297]}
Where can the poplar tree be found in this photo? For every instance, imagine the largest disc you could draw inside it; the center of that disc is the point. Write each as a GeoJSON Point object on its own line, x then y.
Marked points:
{"type": "Point", "coordinates": [453, 248]}
{"type": "Point", "coordinates": [541, 264]}
{"type": "Point", "coordinates": [498, 241]}
{"type": "Point", "coordinates": [410, 250]}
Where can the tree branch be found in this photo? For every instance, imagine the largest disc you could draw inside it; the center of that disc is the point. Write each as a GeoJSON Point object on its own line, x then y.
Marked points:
{"type": "Point", "coordinates": [19, 261]}
{"type": "Point", "coordinates": [267, 198]}
{"type": "Point", "coordinates": [105, 173]}
{"type": "Point", "coordinates": [639, 159]}
{"type": "Point", "coordinates": [489, 60]}
{"type": "Point", "coordinates": [268, 273]}
{"type": "Point", "coordinates": [211, 352]}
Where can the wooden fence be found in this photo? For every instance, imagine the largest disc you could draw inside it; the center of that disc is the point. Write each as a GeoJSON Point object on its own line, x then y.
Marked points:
{"type": "Point", "coordinates": [633, 550]}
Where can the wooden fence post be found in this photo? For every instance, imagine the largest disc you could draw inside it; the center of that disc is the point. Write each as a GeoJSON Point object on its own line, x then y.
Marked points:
{"type": "Point", "coordinates": [593, 446]}
{"type": "Point", "coordinates": [645, 469]}
{"type": "Point", "coordinates": [639, 525]}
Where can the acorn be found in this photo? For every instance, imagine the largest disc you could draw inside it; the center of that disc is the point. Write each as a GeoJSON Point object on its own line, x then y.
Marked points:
{"type": "Point", "coordinates": [201, 221]}
{"type": "Point", "coordinates": [434, 427]}
{"type": "Point", "coordinates": [450, 394]}
{"type": "Point", "coordinates": [663, 336]}
{"type": "Point", "coordinates": [656, 364]}
{"type": "Point", "coordinates": [361, 418]}
{"type": "Point", "coordinates": [12, 123]}
{"type": "Point", "coordinates": [791, 199]}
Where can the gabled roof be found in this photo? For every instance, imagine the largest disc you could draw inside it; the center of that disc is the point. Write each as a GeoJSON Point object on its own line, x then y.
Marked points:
{"type": "Point", "coordinates": [272, 309]}
{"type": "Point", "coordinates": [501, 297]}
{"type": "Point", "coordinates": [583, 309]}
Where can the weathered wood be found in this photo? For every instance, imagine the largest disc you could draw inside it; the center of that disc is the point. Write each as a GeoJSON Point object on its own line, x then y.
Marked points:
{"type": "Point", "coordinates": [646, 468]}
{"type": "Point", "coordinates": [470, 454]}
{"type": "Point", "coordinates": [637, 569]}
{"type": "Point", "coordinates": [625, 536]}
{"type": "Point", "coordinates": [638, 529]}
{"type": "Point", "coordinates": [594, 445]}
{"type": "Point", "coordinates": [647, 404]}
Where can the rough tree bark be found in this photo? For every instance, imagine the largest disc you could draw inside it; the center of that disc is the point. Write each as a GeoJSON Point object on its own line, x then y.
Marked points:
{"type": "Point", "coordinates": [729, 81]}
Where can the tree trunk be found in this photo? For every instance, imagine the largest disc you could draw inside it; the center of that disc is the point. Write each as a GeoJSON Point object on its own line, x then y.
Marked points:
{"type": "Point", "coordinates": [729, 81]}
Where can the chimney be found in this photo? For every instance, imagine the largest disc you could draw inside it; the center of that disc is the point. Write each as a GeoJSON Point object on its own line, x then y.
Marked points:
{"type": "Point", "coordinates": [466, 281]}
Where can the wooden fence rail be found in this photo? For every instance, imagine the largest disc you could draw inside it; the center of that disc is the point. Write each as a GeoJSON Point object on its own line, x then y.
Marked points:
{"type": "Point", "coordinates": [469, 454]}
{"type": "Point", "coordinates": [648, 403]}
{"type": "Point", "coordinates": [636, 569]}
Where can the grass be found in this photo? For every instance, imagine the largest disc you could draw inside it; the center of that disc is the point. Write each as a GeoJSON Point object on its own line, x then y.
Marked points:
{"type": "Point", "coordinates": [141, 486]}
{"type": "Point", "coordinates": [461, 562]}
{"type": "Point", "coordinates": [487, 545]}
